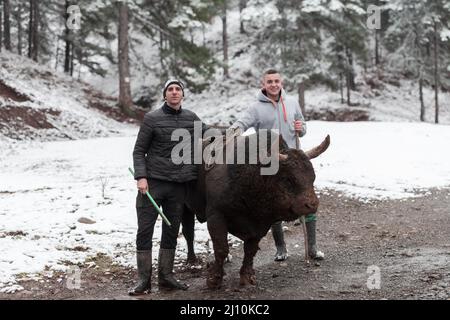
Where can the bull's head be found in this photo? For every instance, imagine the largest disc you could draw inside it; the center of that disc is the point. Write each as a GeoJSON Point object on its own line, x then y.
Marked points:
{"type": "Point", "coordinates": [296, 179]}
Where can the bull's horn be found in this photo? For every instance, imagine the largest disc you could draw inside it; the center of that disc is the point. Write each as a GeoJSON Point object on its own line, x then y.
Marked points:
{"type": "Point", "coordinates": [282, 157]}
{"type": "Point", "coordinates": [317, 151]}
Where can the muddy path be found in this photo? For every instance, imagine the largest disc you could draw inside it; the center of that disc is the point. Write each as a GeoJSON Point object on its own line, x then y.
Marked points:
{"type": "Point", "coordinates": [377, 250]}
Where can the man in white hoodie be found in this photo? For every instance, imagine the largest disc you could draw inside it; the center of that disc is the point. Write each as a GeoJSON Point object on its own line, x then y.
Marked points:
{"type": "Point", "coordinates": [276, 110]}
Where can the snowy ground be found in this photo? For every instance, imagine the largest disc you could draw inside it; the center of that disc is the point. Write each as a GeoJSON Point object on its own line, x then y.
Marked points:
{"type": "Point", "coordinates": [46, 187]}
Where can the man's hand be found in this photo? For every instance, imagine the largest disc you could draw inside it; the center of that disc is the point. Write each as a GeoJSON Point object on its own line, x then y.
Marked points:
{"type": "Point", "coordinates": [234, 132]}
{"type": "Point", "coordinates": [298, 125]}
{"type": "Point", "coordinates": [142, 185]}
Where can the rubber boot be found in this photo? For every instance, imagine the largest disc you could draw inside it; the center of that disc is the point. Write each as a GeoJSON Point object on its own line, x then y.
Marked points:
{"type": "Point", "coordinates": [165, 271]}
{"type": "Point", "coordinates": [312, 248]}
{"type": "Point", "coordinates": [278, 236]}
{"type": "Point", "coordinates": [144, 269]}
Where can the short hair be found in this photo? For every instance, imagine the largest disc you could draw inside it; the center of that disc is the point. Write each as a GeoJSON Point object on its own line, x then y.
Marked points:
{"type": "Point", "coordinates": [270, 71]}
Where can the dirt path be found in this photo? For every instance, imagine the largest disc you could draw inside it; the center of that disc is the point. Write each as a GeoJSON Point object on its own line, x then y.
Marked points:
{"type": "Point", "coordinates": [407, 241]}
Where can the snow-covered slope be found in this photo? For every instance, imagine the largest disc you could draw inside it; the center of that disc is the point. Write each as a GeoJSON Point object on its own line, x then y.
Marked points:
{"type": "Point", "coordinates": [36, 103]}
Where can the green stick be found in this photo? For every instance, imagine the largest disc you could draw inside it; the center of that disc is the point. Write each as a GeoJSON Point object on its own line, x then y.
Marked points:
{"type": "Point", "coordinates": [154, 203]}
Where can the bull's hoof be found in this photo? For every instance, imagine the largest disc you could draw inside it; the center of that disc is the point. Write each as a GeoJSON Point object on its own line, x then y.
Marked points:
{"type": "Point", "coordinates": [192, 259]}
{"type": "Point", "coordinates": [247, 279]}
{"type": "Point", "coordinates": [214, 283]}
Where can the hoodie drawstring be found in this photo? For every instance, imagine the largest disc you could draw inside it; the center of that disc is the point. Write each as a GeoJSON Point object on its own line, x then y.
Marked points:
{"type": "Point", "coordinates": [284, 108]}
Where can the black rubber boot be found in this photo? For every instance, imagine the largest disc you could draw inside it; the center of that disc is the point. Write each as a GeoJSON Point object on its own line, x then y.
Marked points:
{"type": "Point", "coordinates": [312, 248]}
{"type": "Point", "coordinates": [144, 269]}
{"type": "Point", "coordinates": [165, 271]}
{"type": "Point", "coordinates": [278, 236]}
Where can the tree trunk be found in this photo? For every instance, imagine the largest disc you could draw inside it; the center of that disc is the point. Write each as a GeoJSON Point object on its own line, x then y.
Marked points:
{"type": "Point", "coordinates": [125, 102]}
{"type": "Point", "coordinates": [225, 40]}
{"type": "Point", "coordinates": [80, 61]}
{"type": "Point", "coordinates": [160, 48]}
{"type": "Point", "coordinates": [377, 46]}
{"type": "Point", "coordinates": [204, 34]}
{"type": "Point", "coordinates": [30, 30]}
{"type": "Point", "coordinates": [301, 97]}
{"type": "Point", "coordinates": [242, 5]}
{"type": "Point", "coordinates": [341, 88]}
{"type": "Point", "coordinates": [19, 28]}
{"type": "Point", "coordinates": [33, 31]}
{"type": "Point", "coordinates": [57, 55]}
{"type": "Point", "coordinates": [7, 24]}
{"type": "Point", "coordinates": [422, 105]}
{"type": "Point", "coordinates": [349, 103]}
{"type": "Point", "coordinates": [377, 41]}
{"type": "Point", "coordinates": [436, 73]}
{"type": "Point", "coordinates": [351, 74]}
{"type": "Point", "coordinates": [36, 30]}
{"type": "Point", "coordinates": [1, 28]}
{"type": "Point", "coordinates": [67, 38]}
{"type": "Point", "coordinates": [72, 50]}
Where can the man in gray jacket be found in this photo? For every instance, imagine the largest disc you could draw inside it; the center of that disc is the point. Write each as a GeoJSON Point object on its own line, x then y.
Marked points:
{"type": "Point", "coordinates": [166, 181]}
{"type": "Point", "coordinates": [276, 110]}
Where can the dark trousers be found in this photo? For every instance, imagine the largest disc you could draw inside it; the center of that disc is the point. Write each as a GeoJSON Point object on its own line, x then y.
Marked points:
{"type": "Point", "coordinates": [169, 195]}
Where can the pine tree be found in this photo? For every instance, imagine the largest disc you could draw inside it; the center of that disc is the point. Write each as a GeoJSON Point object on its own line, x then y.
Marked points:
{"type": "Point", "coordinates": [242, 5]}
{"type": "Point", "coordinates": [7, 24]}
{"type": "Point", "coordinates": [1, 27]}
{"type": "Point", "coordinates": [225, 38]}
{"type": "Point", "coordinates": [33, 30]}
{"type": "Point", "coordinates": [68, 39]}
{"type": "Point", "coordinates": [125, 101]}
{"type": "Point", "coordinates": [416, 48]}
{"type": "Point", "coordinates": [168, 23]}
{"type": "Point", "coordinates": [17, 13]}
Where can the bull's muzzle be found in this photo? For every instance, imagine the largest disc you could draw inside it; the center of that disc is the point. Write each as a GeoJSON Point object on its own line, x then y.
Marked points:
{"type": "Point", "coordinates": [312, 203]}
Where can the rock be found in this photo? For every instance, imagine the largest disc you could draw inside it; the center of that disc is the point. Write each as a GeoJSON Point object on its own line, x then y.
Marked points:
{"type": "Point", "coordinates": [344, 236]}
{"type": "Point", "coordinates": [407, 254]}
{"type": "Point", "coordinates": [86, 220]}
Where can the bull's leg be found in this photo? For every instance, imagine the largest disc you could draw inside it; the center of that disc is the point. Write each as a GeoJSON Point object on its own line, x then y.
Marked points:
{"type": "Point", "coordinates": [247, 272]}
{"type": "Point", "coordinates": [188, 223]}
{"type": "Point", "coordinates": [218, 231]}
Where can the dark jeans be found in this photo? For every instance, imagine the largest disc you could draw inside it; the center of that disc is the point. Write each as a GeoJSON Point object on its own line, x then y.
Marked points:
{"type": "Point", "coordinates": [169, 195]}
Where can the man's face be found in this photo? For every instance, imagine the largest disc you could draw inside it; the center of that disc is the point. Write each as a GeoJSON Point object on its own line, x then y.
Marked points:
{"type": "Point", "coordinates": [174, 94]}
{"type": "Point", "coordinates": [272, 83]}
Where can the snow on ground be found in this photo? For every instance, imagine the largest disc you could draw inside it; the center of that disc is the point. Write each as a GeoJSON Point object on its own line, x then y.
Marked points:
{"type": "Point", "coordinates": [380, 160]}
{"type": "Point", "coordinates": [391, 103]}
{"type": "Point", "coordinates": [46, 187]}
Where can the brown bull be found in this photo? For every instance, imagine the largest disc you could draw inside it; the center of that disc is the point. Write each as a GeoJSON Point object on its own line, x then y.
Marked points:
{"type": "Point", "coordinates": [237, 199]}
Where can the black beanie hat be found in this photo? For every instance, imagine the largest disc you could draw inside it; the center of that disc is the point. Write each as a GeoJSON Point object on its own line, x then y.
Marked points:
{"type": "Point", "coordinates": [172, 81]}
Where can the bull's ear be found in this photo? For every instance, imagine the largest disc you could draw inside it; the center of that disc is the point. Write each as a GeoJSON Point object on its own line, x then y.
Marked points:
{"type": "Point", "coordinates": [317, 151]}
{"type": "Point", "coordinates": [282, 157]}
{"type": "Point", "coordinates": [282, 146]}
